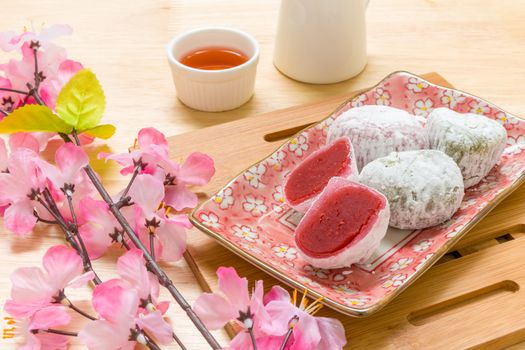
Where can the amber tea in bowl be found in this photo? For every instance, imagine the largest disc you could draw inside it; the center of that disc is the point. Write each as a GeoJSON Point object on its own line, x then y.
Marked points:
{"type": "Point", "coordinates": [214, 58]}
{"type": "Point", "coordinates": [213, 68]}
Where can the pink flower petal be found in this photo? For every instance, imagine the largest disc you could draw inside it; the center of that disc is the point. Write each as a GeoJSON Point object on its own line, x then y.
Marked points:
{"type": "Point", "coordinates": [155, 325]}
{"type": "Point", "coordinates": [234, 288]}
{"type": "Point", "coordinates": [10, 190]}
{"type": "Point", "coordinates": [306, 333]}
{"type": "Point", "coordinates": [163, 306]}
{"type": "Point", "coordinates": [23, 140]}
{"type": "Point", "coordinates": [147, 192]}
{"type": "Point", "coordinates": [19, 217]}
{"type": "Point", "coordinates": [131, 269]}
{"type": "Point", "coordinates": [332, 333]}
{"type": "Point", "coordinates": [280, 312]}
{"type": "Point", "coordinates": [179, 197]}
{"type": "Point", "coordinates": [29, 284]}
{"type": "Point", "coordinates": [115, 301]}
{"type": "Point", "coordinates": [3, 155]}
{"type": "Point", "coordinates": [50, 317]}
{"type": "Point", "coordinates": [20, 310]}
{"type": "Point", "coordinates": [95, 238]}
{"type": "Point", "coordinates": [173, 239]}
{"type": "Point", "coordinates": [214, 310]}
{"type": "Point", "coordinates": [46, 341]}
{"type": "Point", "coordinates": [62, 264]}
{"type": "Point", "coordinates": [70, 159]}
{"type": "Point", "coordinates": [243, 341]}
{"type": "Point", "coordinates": [276, 293]}
{"type": "Point", "coordinates": [151, 136]}
{"type": "Point", "coordinates": [103, 335]}
{"type": "Point", "coordinates": [273, 342]}
{"type": "Point", "coordinates": [181, 220]}
{"type": "Point", "coordinates": [81, 280]}
{"type": "Point", "coordinates": [197, 169]}
{"type": "Point", "coordinates": [99, 224]}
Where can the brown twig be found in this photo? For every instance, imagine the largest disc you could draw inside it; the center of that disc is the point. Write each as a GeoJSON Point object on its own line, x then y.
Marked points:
{"type": "Point", "coordinates": [49, 204]}
{"type": "Point", "coordinates": [56, 331]}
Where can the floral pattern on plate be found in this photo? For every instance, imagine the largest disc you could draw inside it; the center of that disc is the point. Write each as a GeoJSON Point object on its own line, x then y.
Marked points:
{"type": "Point", "coordinates": [250, 217]}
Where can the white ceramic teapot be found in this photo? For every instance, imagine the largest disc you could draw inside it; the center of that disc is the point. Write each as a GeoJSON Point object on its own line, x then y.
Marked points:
{"type": "Point", "coordinates": [321, 41]}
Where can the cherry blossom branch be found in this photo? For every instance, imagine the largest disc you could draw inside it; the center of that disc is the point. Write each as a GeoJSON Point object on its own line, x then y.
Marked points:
{"type": "Point", "coordinates": [152, 246]}
{"type": "Point", "coordinates": [163, 278]}
{"type": "Point", "coordinates": [136, 171]}
{"type": "Point", "coordinates": [73, 307]}
{"type": "Point", "coordinates": [179, 342]}
{"type": "Point", "coordinates": [15, 91]}
{"type": "Point", "coordinates": [5, 114]}
{"type": "Point", "coordinates": [85, 256]}
{"type": "Point", "coordinates": [55, 331]}
{"type": "Point", "coordinates": [49, 204]}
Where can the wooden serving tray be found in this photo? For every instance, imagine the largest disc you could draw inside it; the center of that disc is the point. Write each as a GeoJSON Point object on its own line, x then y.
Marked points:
{"type": "Point", "coordinates": [470, 299]}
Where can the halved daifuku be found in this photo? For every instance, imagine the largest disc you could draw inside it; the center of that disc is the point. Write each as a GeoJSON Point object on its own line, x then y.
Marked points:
{"type": "Point", "coordinates": [474, 141]}
{"type": "Point", "coordinates": [304, 183]}
{"type": "Point", "coordinates": [424, 188]}
{"type": "Point", "coordinates": [344, 225]}
{"type": "Point", "coordinates": [375, 131]}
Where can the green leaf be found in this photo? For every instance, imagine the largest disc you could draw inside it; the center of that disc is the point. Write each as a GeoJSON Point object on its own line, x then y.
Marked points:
{"type": "Point", "coordinates": [31, 118]}
{"type": "Point", "coordinates": [81, 101]}
{"type": "Point", "coordinates": [104, 131]}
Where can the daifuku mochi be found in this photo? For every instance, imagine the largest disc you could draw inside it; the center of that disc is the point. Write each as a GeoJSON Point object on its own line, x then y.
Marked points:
{"type": "Point", "coordinates": [424, 188]}
{"type": "Point", "coordinates": [375, 131]}
{"type": "Point", "coordinates": [474, 141]}
{"type": "Point", "coordinates": [304, 183]}
{"type": "Point", "coordinates": [344, 225]}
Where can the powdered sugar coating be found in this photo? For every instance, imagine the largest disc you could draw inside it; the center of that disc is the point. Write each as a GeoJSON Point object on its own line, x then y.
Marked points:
{"type": "Point", "coordinates": [362, 246]}
{"type": "Point", "coordinates": [424, 188]}
{"type": "Point", "coordinates": [474, 141]}
{"type": "Point", "coordinates": [375, 131]}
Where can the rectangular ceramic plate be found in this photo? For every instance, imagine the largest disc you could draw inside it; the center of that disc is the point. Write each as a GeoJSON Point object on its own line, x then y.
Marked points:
{"type": "Point", "coordinates": [249, 217]}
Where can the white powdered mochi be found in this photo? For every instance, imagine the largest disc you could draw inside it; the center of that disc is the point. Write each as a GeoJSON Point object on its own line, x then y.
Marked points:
{"type": "Point", "coordinates": [424, 188]}
{"type": "Point", "coordinates": [375, 131]}
{"type": "Point", "coordinates": [474, 141]}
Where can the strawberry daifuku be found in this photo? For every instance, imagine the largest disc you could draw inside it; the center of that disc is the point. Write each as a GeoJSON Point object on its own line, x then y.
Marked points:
{"type": "Point", "coordinates": [344, 225]}
{"type": "Point", "coordinates": [309, 178]}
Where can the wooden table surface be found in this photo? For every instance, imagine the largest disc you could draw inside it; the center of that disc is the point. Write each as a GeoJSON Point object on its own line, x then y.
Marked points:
{"type": "Point", "coordinates": [478, 45]}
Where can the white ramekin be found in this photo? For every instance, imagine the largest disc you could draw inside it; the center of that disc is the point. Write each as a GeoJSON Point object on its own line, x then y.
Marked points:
{"type": "Point", "coordinates": [213, 90]}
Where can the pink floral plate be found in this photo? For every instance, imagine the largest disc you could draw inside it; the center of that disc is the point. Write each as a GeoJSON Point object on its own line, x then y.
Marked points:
{"type": "Point", "coordinates": [249, 217]}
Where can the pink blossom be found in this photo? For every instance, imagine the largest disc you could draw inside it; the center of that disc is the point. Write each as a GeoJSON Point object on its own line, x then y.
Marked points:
{"type": "Point", "coordinates": [118, 306]}
{"type": "Point", "coordinates": [152, 148]}
{"type": "Point", "coordinates": [10, 41]}
{"type": "Point", "coordinates": [131, 268]}
{"type": "Point", "coordinates": [35, 141]}
{"type": "Point", "coordinates": [273, 316]}
{"type": "Point", "coordinates": [196, 170]}
{"type": "Point", "coordinates": [169, 232]}
{"type": "Point", "coordinates": [234, 302]}
{"type": "Point", "coordinates": [309, 332]}
{"type": "Point", "coordinates": [16, 187]}
{"type": "Point", "coordinates": [33, 328]}
{"type": "Point", "coordinates": [34, 288]}
{"type": "Point", "coordinates": [70, 160]}
{"type": "Point", "coordinates": [98, 225]}
{"type": "Point", "coordinates": [68, 178]}
{"type": "Point", "coordinates": [53, 66]}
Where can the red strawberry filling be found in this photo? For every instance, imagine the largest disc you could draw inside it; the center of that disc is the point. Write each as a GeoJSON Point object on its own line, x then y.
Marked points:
{"type": "Point", "coordinates": [310, 177]}
{"type": "Point", "coordinates": [337, 218]}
